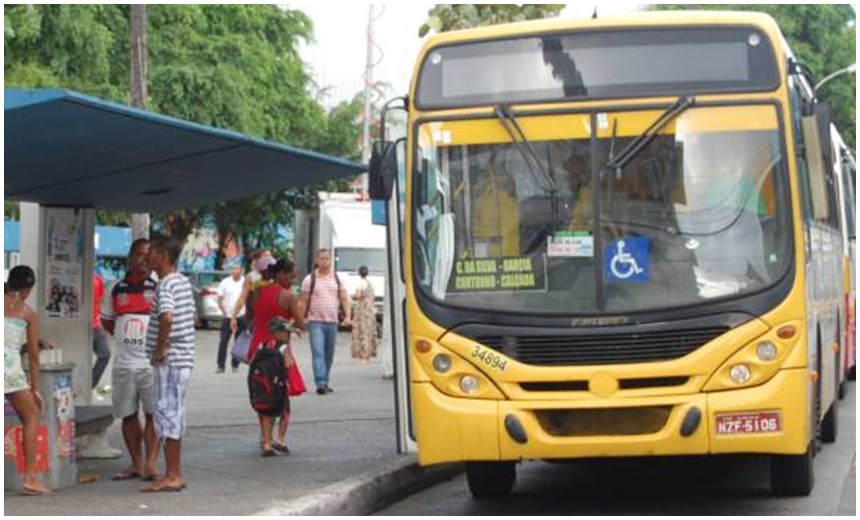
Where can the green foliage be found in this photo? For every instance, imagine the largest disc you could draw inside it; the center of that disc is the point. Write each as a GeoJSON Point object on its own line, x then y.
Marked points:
{"type": "Point", "coordinates": [235, 67]}
{"type": "Point", "coordinates": [824, 37]}
{"type": "Point", "coordinates": [11, 210]}
{"type": "Point", "coordinates": [450, 17]}
{"type": "Point", "coordinates": [113, 218]}
{"type": "Point", "coordinates": [343, 130]}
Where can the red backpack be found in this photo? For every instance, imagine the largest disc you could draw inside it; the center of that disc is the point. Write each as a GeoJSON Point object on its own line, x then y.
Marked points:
{"type": "Point", "coordinates": [267, 382]}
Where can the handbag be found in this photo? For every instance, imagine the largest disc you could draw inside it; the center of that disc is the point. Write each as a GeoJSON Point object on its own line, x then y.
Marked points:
{"type": "Point", "coordinates": [295, 382]}
{"type": "Point", "coordinates": [241, 346]}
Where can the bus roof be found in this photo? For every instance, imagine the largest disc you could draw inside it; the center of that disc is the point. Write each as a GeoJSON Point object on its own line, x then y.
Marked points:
{"type": "Point", "coordinates": [640, 19]}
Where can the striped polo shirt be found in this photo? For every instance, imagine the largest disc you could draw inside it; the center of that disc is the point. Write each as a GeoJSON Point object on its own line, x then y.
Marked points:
{"type": "Point", "coordinates": [174, 295]}
{"type": "Point", "coordinates": [324, 300]}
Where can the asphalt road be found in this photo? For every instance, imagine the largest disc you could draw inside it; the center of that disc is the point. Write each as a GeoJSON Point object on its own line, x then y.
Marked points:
{"type": "Point", "coordinates": [676, 486]}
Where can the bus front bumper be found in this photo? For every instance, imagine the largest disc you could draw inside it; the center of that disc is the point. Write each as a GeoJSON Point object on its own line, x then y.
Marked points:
{"type": "Point", "coordinates": [451, 429]}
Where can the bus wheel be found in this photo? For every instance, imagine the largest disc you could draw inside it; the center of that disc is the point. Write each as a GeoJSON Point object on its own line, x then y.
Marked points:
{"type": "Point", "coordinates": [490, 479]}
{"type": "Point", "coordinates": [829, 425]}
{"type": "Point", "coordinates": [852, 373]}
{"type": "Point", "coordinates": [792, 475]}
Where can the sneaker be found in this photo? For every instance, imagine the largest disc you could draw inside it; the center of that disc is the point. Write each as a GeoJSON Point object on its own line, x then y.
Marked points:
{"type": "Point", "coordinates": [321, 390]}
{"type": "Point", "coordinates": [329, 389]}
{"type": "Point", "coordinates": [219, 370]}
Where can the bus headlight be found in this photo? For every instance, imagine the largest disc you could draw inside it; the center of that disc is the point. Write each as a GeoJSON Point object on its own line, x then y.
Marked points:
{"type": "Point", "coordinates": [441, 363]}
{"type": "Point", "coordinates": [758, 361]}
{"type": "Point", "coordinates": [766, 351]}
{"type": "Point", "coordinates": [740, 374]}
{"type": "Point", "coordinates": [469, 385]}
{"type": "Point", "coordinates": [449, 372]}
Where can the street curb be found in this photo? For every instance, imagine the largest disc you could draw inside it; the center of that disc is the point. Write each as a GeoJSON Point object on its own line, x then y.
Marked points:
{"type": "Point", "coordinates": [366, 493]}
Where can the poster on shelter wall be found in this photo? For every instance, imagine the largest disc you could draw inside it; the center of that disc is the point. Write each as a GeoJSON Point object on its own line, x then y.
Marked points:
{"type": "Point", "coordinates": [64, 252]}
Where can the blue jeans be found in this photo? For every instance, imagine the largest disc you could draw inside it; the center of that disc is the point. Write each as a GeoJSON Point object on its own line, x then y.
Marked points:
{"type": "Point", "coordinates": [323, 336]}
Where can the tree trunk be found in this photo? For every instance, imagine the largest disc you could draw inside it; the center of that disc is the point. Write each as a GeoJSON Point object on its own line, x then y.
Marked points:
{"type": "Point", "coordinates": [139, 221]}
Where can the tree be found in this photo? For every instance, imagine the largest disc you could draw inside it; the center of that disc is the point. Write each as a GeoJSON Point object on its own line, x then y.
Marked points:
{"type": "Point", "coordinates": [449, 17]}
{"type": "Point", "coordinates": [824, 37]}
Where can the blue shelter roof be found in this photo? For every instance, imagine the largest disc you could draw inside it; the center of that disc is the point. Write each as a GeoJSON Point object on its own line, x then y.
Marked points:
{"type": "Point", "coordinates": [68, 149]}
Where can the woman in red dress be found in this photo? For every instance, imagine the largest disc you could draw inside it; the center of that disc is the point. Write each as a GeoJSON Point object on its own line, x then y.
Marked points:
{"type": "Point", "coordinates": [269, 301]}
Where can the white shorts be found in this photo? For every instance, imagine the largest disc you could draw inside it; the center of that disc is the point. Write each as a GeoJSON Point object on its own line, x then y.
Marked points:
{"type": "Point", "coordinates": [132, 386]}
{"type": "Point", "coordinates": [171, 384]}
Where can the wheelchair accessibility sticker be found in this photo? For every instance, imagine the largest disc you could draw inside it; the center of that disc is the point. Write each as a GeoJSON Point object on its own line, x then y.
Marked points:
{"type": "Point", "coordinates": [626, 260]}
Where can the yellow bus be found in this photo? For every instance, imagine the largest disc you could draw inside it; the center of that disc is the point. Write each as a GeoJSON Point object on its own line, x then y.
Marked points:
{"type": "Point", "coordinates": [845, 169]}
{"type": "Point", "coordinates": [620, 237]}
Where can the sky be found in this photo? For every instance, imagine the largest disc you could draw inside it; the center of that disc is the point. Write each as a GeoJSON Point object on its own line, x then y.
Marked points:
{"type": "Point", "coordinates": [338, 56]}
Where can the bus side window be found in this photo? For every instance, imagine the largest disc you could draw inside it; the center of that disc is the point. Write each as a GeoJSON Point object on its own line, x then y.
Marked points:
{"type": "Point", "coordinates": [800, 155]}
{"type": "Point", "coordinates": [848, 195]}
{"type": "Point", "coordinates": [819, 177]}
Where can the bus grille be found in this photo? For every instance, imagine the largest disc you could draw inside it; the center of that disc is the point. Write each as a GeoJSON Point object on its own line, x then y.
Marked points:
{"type": "Point", "coordinates": [602, 349]}
{"type": "Point", "coordinates": [616, 421]}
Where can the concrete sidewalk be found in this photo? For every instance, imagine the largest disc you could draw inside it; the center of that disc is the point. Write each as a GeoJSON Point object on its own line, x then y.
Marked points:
{"type": "Point", "coordinates": [343, 456]}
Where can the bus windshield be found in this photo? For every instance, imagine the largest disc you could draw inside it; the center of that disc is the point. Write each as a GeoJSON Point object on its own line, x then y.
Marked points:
{"type": "Point", "coordinates": [699, 213]}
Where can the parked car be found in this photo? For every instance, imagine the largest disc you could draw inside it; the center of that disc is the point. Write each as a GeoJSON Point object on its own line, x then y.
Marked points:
{"type": "Point", "coordinates": [205, 286]}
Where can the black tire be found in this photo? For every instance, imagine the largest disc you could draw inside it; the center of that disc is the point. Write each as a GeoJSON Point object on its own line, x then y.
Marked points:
{"type": "Point", "coordinates": [852, 373]}
{"type": "Point", "coordinates": [829, 425]}
{"type": "Point", "coordinates": [491, 479]}
{"type": "Point", "coordinates": [842, 390]}
{"type": "Point", "coordinates": [792, 475]}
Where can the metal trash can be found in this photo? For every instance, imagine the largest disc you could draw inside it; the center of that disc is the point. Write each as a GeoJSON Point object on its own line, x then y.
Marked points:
{"type": "Point", "coordinates": [55, 443]}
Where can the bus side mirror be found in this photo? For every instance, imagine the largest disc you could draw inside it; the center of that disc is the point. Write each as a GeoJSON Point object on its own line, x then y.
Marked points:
{"type": "Point", "coordinates": [383, 170]}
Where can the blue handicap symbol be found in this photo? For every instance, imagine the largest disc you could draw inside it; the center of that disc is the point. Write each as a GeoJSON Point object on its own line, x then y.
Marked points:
{"type": "Point", "coordinates": [626, 260]}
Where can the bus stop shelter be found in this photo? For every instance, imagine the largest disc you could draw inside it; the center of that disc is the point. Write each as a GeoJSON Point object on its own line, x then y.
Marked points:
{"type": "Point", "coordinates": [67, 154]}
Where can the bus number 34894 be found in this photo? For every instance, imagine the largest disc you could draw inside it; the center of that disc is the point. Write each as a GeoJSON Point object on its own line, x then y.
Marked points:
{"type": "Point", "coordinates": [489, 358]}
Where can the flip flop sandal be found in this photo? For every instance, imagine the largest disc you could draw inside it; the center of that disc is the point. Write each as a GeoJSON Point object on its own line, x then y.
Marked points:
{"type": "Point", "coordinates": [280, 447]}
{"type": "Point", "coordinates": [148, 478]}
{"type": "Point", "coordinates": [268, 453]}
{"type": "Point", "coordinates": [127, 475]}
{"type": "Point", "coordinates": [33, 492]}
{"type": "Point", "coordinates": [152, 489]}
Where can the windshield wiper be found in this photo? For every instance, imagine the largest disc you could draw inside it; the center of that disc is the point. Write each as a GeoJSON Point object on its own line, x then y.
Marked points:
{"type": "Point", "coordinates": [509, 122]}
{"type": "Point", "coordinates": [641, 141]}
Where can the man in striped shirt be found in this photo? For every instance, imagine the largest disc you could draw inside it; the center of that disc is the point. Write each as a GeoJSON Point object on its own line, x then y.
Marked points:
{"type": "Point", "coordinates": [170, 347]}
{"type": "Point", "coordinates": [323, 294]}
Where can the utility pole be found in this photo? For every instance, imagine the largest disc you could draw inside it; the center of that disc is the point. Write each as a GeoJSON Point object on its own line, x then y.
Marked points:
{"type": "Point", "coordinates": [368, 86]}
{"type": "Point", "coordinates": [139, 221]}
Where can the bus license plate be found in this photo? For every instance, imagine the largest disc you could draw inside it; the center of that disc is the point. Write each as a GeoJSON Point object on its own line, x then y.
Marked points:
{"type": "Point", "coordinates": [748, 422]}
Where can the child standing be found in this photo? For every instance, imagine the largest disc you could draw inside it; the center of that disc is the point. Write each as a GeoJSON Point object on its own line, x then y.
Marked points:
{"type": "Point", "coordinates": [281, 329]}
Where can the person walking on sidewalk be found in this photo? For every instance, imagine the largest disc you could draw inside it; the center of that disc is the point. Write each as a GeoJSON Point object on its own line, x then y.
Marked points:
{"type": "Point", "coordinates": [125, 313]}
{"type": "Point", "coordinates": [229, 292]}
{"type": "Point", "coordinates": [101, 347]}
{"type": "Point", "coordinates": [21, 327]}
{"type": "Point", "coordinates": [268, 302]}
{"type": "Point", "coordinates": [323, 294]}
{"type": "Point", "coordinates": [261, 261]}
{"type": "Point", "coordinates": [170, 347]}
{"type": "Point", "coordinates": [364, 319]}
{"type": "Point", "coordinates": [280, 329]}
